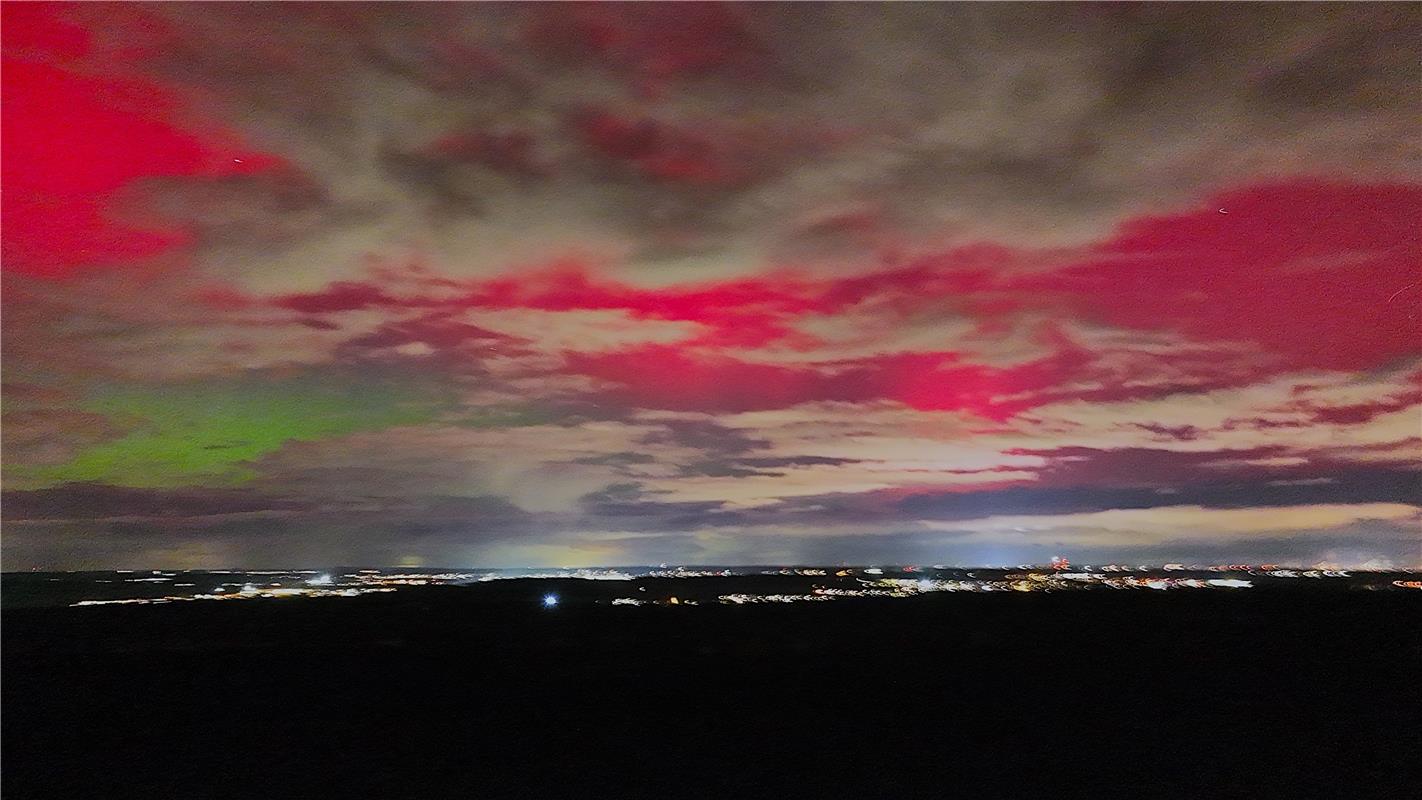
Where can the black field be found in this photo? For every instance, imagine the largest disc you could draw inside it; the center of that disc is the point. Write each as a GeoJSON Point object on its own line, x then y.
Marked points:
{"type": "Point", "coordinates": [480, 692]}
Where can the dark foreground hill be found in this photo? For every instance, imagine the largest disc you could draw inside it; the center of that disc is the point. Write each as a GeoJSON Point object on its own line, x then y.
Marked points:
{"type": "Point", "coordinates": [453, 692]}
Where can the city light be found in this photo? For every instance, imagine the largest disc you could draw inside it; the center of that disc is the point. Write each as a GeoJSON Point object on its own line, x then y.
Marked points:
{"type": "Point", "coordinates": [804, 584]}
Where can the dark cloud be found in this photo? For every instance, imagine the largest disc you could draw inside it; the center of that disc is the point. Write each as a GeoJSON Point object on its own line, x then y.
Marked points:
{"type": "Point", "coordinates": [704, 435]}
{"type": "Point", "coordinates": [795, 461]}
{"type": "Point", "coordinates": [621, 459]}
{"type": "Point", "coordinates": [632, 507]}
{"type": "Point", "coordinates": [1360, 486]}
{"type": "Point", "coordinates": [1150, 468]}
{"type": "Point", "coordinates": [880, 508]}
{"type": "Point", "coordinates": [92, 501]}
{"type": "Point", "coordinates": [341, 296]}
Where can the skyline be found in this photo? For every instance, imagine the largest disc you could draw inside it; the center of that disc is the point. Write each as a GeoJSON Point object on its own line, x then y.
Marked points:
{"type": "Point", "coordinates": [535, 285]}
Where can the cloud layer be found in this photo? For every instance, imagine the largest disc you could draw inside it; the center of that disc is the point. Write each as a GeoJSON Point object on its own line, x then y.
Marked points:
{"type": "Point", "coordinates": [519, 284]}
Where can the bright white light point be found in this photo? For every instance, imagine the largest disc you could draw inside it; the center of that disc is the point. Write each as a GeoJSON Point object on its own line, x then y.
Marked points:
{"type": "Point", "coordinates": [550, 600]}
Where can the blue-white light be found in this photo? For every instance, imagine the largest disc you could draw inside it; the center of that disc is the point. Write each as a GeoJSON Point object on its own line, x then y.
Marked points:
{"type": "Point", "coordinates": [550, 600]}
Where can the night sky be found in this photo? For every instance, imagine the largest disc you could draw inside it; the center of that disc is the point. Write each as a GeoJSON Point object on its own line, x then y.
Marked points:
{"type": "Point", "coordinates": [484, 285]}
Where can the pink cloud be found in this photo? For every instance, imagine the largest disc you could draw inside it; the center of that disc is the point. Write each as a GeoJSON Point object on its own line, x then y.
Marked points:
{"type": "Point", "coordinates": [72, 140]}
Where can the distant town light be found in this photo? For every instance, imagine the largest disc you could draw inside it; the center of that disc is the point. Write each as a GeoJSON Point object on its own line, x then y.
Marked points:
{"type": "Point", "coordinates": [550, 600]}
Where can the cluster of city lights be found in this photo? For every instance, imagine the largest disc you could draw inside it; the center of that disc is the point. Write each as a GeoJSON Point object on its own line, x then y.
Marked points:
{"type": "Point", "coordinates": [683, 572]}
{"type": "Point", "coordinates": [251, 593]}
{"type": "Point", "coordinates": [742, 599]}
{"type": "Point", "coordinates": [296, 583]}
{"type": "Point", "coordinates": [664, 601]}
{"type": "Point", "coordinates": [1049, 581]}
{"type": "Point", "coordinates": [1031, 582]}
{"type": "Point", "coordinates": [577, 574]}
{"type": "Point", "coordinates": [910, 587]}
{"type": "Point", "coordinates": [837, 583]}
